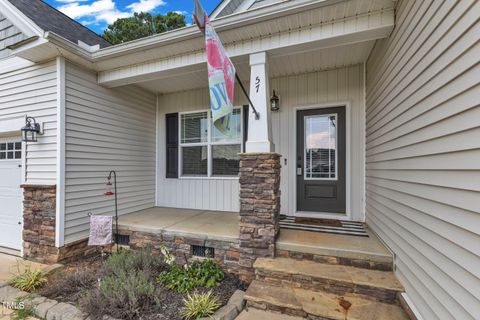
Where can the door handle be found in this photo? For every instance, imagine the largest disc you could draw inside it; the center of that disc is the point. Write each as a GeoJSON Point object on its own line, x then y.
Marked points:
{"type": "Point", "coordinates": [299, 171]}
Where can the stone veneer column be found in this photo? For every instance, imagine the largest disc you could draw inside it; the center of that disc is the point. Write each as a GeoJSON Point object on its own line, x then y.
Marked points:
{"type": "Point", "coordinates": [39, 207]}
{"type": "Point", "coordinates": [259, 209]}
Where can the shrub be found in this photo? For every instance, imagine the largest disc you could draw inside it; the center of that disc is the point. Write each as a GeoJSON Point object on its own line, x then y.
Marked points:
{"type": "Point", "coordinates": [127, 289]}
{"type": "Point", "coordinates": [69, 286]}
{"type": "Point", "coordinates": [205, 273]}
{"type": "Point", "coordinates": [28, 280]}
{"type": "Point", "coordinates": [199, 305]}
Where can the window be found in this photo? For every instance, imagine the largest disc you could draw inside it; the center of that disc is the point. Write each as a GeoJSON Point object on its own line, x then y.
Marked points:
{"type": "Point", "coordinates": [10, 150]}
{"type": "Point", "coordinates": [204, 150]}
{"type": "Point", "coordinates": [321, 147]}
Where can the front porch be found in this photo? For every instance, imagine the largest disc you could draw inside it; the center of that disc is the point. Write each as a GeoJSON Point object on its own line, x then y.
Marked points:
{"type": "Point", "coordinates": [216, 228]}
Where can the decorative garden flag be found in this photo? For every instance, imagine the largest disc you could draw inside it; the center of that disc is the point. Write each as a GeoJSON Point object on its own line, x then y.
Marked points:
{"type": "Point", "coordinates": [100, 230]}
{"type": "Point", "coordinates": [221, 73]}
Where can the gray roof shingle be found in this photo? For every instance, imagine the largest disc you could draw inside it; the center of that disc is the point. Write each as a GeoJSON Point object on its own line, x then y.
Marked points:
{"type": "Point", "coordinates": [50, 19]}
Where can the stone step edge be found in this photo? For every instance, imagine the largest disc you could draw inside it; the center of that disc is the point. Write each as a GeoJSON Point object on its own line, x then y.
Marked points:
{"type": "Point", "coordinates": [296, 308]}
{"type": "Point", "coordinates": [385, 264]}
{"type": "Point", "coordinates": [260, 265]}
{"type": "Point", "coordinates": [265, 271]}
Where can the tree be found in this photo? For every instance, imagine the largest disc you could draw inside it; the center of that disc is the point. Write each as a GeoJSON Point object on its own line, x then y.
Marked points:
{"type": "Point", "coordinates": [142, 25]}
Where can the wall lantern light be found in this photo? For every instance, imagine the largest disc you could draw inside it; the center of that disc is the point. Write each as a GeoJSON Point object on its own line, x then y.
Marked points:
{"type": "Point", "coordinates": [274, 102]}
{"type": "Point", "coordinates": [31, 130]}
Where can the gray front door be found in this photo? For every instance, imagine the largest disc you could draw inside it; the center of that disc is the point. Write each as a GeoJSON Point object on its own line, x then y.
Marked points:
{"type": "Point", "coordinates": [321, 160]}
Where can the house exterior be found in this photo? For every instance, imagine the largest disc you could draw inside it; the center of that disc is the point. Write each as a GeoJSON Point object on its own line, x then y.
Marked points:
{"type": "Point", "coordinates": [378, 123]}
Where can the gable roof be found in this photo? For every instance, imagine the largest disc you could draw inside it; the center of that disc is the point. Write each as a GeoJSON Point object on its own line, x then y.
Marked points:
{"type": "Point", "coordinates": [228, 7]}
{"type": "Point", "coordinates": [50, 19]}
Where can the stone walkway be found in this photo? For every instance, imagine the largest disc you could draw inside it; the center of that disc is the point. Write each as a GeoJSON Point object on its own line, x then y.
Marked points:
{"type": "Point", "coordinates": [11, 265]}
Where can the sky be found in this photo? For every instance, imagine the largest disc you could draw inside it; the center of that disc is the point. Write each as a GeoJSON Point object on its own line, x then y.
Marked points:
{"type": "Point", "coordinates": [97, 14]}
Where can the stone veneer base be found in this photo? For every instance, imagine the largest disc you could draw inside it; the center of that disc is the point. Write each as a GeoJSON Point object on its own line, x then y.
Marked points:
{"type": "Point", "coordinates": [226, 252]}
{"type": "Point", "coordinates": [259, 209]}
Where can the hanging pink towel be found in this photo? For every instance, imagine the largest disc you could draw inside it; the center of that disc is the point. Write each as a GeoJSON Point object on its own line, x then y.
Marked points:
{"type": "Point", "coordinates": [100, 230]}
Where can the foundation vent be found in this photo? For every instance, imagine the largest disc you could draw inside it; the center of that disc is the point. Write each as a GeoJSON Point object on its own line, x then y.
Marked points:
{"type": "Point", "coordinates": [202, 251]}
{"type": "Point", "coordinates": [123, 240]}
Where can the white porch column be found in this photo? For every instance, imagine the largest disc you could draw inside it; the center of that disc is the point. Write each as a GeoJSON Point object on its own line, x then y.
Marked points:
{"type": "Point", "coordinates": [259, 131]}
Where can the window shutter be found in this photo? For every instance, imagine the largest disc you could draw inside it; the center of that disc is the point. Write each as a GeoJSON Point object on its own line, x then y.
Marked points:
{"type": "Point", "coordinates": [245, 125]}
{"type": "Point", "coordinates": [172, 145]}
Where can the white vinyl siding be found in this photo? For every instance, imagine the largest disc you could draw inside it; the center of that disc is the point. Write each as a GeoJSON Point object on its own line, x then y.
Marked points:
{"type": "Point", "coordinates": [31, 89]}
{"type": "Point", "coordinates": [423, 151]}
{"type": "Point", "coordinates": [344, 85]}
{"type": "Point", "coordinates": [106, 129]}
{"type": "Point", "coordinates": [9, 34]}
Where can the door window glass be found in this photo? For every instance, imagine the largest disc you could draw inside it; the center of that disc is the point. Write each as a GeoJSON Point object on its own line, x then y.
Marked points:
{"type": "Point", "coordinates": [321, 147]}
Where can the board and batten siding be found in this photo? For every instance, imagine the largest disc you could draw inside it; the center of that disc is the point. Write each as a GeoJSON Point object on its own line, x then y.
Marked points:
{"type": "Point", "coordinates": [423, 151]}
{"type": "Point", "coordinates": [31, 89]}
{"type": "Point", "coordinates": [106, 129]}
{"type": "Point", "coordinates": [323, 88]}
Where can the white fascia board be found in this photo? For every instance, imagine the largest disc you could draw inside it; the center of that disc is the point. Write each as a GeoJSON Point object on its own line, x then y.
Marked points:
{"type": "Point", "coordinates": [346, 31]}
{"type": "Point", "coordinates": [21, 21]}
{"type": "Point", "coordinates": [225, 23]}
{"type": "Point", "coordinates": [219, 9]}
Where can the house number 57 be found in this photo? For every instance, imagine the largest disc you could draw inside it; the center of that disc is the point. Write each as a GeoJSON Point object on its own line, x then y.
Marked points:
{"type": "Point", "coordinates": [257, 83]}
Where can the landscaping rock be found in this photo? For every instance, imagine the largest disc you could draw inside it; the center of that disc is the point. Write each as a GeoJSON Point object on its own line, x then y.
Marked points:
{"type": "Point", "coordinates": [65, 311]}
{"type": "Point", "coordinates": [228, 312]}
{"type": "Point", "coordinates": [42, 308]}
{"type": "Point", "coordinates": [51, 268]}
{"type": "Point", "coordinates": [10, 294]}
{"type": "Point", "coordinates": [237, 300]}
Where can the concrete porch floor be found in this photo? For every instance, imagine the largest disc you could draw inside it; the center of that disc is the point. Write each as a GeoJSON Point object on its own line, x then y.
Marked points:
{"type": "Point", "coordinates": [223, 226]}
{"type": "Point", "coordinates": [213, 225]}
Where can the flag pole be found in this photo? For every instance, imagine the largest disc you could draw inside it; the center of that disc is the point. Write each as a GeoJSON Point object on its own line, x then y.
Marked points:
{"type": "Point", "coordinates": [257, 115]}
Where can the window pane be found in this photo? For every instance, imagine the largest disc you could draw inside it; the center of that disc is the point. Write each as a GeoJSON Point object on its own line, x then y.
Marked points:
{"type": "Point", "coordinates": [194, 161]}
{"type": "Point", "coordinates": [236, 129]}
{"type": "Point", "coordinates": [18, 145]}
{"type": "Point", "coordinates": [226, 160]}
{"type": "Point", "coordinates": [3, 146]}
{"type": "Point", "coordinates": [194, 127]}
{"type": "Point", "coordinates": [18, 154]}
{"type": "Point", "coordinates": [2, 155]}
{"type": "Point", "coordinates": [10, 155]}
{"type": "Point", "coordinates": [10, 146]}
{"type": "Point", "coordinates": [320, 146]}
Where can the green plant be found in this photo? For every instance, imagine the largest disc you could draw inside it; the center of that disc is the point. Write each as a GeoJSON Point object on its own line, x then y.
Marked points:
{"type": "Point", "coordinates": [28, 280]}
{"type": "Point", "coordinates": [127, 289]}
{"type": "Point", "coordinates": [24, 308]}
{"type": "Point", "coordinates": [205, 273]}
{"type": "Point", "coordinates": [199, 305]}
{"type": "Point", "coordinates": [168, 257]}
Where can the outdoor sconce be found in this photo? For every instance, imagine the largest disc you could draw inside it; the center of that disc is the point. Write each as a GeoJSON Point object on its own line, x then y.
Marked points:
{"type": "Point", "coordinates": [274, 102]}
{"type": "Point", "coordinates": [31, 130]}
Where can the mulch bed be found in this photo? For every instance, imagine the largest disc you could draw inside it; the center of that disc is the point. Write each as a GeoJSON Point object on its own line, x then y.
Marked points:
{"type": "Point", "coordinates": [78, 278]}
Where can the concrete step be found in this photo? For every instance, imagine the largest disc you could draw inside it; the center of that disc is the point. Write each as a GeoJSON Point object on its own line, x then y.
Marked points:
{"type": "Point", "coordinates": [318, 305]}
{"type": "Point", "coordinates": [382, 286]}
{"type": "Point", "coordinates": [362, 252]}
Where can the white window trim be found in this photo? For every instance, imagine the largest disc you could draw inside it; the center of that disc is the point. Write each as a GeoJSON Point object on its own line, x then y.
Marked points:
{"type": "Point", "coordinates": [304, 148]}
{"type": "Point", "coordinates": [208, 144]}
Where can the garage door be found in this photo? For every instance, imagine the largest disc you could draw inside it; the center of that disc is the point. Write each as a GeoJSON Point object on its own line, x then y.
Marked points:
{"type": "Point", "coordinates": [10, 194]}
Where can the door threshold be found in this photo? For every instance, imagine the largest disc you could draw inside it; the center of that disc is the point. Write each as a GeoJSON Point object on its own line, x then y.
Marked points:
{"type": "Point", "coordinates": [322, 215]}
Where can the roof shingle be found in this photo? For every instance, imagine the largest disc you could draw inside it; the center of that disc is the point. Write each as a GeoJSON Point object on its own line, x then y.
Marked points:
{"type": "Point", "coordinates": [50, 19]}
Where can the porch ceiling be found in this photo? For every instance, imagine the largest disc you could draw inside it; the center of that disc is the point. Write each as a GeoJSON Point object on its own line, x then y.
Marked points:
{"type": "Point", "coordinates": [297, 33]}
{"type": "Point", "coordinates": [279, 65]}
